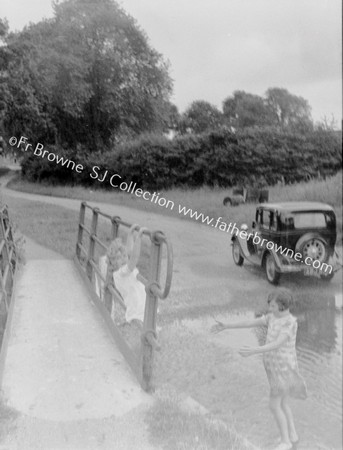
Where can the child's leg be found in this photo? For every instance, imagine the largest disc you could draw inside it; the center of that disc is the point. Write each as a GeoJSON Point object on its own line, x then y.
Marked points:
{"type": "Point", "coordinates": [280, 417]}
{"type": "Point", "coordinates": [293, 435]}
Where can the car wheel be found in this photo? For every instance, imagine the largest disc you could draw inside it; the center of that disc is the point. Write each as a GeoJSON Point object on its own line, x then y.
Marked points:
{"type": "Point", "coordinates": [273, 275]}
{"type": "Point", "coordinates": [313, 247]}
{"type": "Point", "coordinates": [236, 253]}
{"type": "Point", "coordinates": [227, 201]}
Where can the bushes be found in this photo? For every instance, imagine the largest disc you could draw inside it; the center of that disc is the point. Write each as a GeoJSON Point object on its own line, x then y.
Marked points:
{"type": "Point", "coordinates": [220, 158]}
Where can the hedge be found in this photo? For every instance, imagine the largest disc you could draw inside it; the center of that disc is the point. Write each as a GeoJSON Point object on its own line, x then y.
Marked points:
{"type": "Point", "coordinates": [220, 158]}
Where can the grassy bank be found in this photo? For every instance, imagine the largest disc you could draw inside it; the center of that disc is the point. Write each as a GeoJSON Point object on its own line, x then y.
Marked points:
{"type": "Point", "coordinates": [208, 201]}
{"type": "Point", "coordinates": [173, 426]}
{"type": "Point", "coordinates": [7, 419]}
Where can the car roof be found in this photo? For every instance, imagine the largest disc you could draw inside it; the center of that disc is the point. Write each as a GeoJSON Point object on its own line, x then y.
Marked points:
{"type": "Point", "coordinates": [296, 206]}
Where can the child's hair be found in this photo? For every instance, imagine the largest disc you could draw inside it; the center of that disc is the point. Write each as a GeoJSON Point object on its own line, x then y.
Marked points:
{"type": "Point", "coordinates": [283, 298]}
{"type": "Point", "coordinates": [115, 249]}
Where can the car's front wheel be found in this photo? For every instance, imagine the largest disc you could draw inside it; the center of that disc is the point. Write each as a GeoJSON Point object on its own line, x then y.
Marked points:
{"type": "Point", "coordinates": [227, 201]}
{"type": "Point", "coordinates": [273, 275]}
{"type": "Point", "coordinates": [236, 253]}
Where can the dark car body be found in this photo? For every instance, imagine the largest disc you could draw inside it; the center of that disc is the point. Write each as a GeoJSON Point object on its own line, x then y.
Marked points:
{"type": "Point", "coordinates": [293, 235]}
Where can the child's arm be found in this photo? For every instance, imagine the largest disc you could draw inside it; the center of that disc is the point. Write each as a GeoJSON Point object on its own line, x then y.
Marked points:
{"type": "Point", "coordinates": [220, 326]}
{"type": "Point", "coordinates": [130, 238]}
{"type": "Point", "coordinates": [248, 351]}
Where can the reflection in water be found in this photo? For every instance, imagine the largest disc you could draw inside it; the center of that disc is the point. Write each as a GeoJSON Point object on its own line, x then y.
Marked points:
{"type": "Point", "coordinates": [319, 346]}
{"type": "Point", "coordinates": [316, 323]}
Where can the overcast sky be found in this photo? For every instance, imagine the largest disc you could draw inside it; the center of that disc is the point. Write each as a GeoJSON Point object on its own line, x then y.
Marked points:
{"type": "Point", "coordinates": [218, 46]}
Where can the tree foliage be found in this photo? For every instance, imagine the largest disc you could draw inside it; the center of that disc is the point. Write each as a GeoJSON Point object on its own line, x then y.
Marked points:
{"type": "Point", "coordinates": [288, 110]}
{"type": "Point", "coordinates": [243, 110]}
{"type": "Point", "coordinates": [84, 77]}
{"type": "Point", "coordinates": [200, 116]}
{"type": "Point", "coordinates": [278, 108]}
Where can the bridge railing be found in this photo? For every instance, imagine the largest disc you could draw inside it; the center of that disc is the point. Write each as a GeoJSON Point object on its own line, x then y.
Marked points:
{"type": "Point", "coordinates": [8, 268]}
{"type": "Point", "coordinates": [159, 257]}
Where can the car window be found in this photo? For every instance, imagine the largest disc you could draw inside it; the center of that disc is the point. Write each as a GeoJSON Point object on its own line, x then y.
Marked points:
{"type": "Point", "coordinates": [273, 221]}
{"type": "Point", "coordinates": [265, 220]}
{"type": "Point", "coordinates": [258, 216]}
{"type": "Point", "coordinates": [309, 220]}
{"type": "Point", "coordinates": [268, 220]}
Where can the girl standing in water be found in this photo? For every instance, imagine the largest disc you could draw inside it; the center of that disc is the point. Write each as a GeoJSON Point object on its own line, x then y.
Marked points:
{"type": "Point", "coordinates": [280, 361]}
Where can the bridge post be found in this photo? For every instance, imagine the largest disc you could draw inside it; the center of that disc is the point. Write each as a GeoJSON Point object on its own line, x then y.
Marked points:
{"type": "Point", "coordinates": [80, 231]}
{"type": "Point", "coordinates": [149, 344]}
{"type": "Point", "coordinates": [93, 230]}
{"type": "Point", "coordinates": [7, 271]}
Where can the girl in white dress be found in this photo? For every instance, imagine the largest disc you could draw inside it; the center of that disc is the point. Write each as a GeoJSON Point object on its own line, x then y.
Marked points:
{"type": "Point", "coordinates": [122, 260]}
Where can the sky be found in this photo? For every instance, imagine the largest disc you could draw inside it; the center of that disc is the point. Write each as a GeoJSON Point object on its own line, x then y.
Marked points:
{"type": "Point", "coordinates": [215, 47]}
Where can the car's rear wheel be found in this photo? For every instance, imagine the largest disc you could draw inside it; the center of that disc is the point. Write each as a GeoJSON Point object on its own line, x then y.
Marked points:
{"type": "Point", "coordinates": [273, 275]}
{"type": "Point", "coordinates": [314, 247]}
{"type": "Point", "coordinates": [236, 253]}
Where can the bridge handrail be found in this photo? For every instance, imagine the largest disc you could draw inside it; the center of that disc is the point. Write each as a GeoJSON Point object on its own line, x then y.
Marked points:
{"type": "Point", "coordinates": [154, 291]}
{"type": "Point", "coordinates": [8, 268]}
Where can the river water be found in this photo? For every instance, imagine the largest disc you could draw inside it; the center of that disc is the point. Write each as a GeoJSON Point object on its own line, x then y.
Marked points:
{"type": "Point", "coordinates": [235, 389]}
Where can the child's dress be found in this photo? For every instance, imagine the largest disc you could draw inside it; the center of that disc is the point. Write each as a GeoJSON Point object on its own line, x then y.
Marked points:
{"type": "Point", "coordinates": [126, 283]}
{"type": "Point", "coordinates": [281, 364]}
{"type": "Point", "coordinates": [132, 291]}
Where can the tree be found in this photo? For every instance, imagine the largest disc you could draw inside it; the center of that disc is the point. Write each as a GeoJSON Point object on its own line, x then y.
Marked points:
{"type": "Point", "coordinates": [19, 107]}
{"type": "Point", "coordinates": [327, 124]}
{"type": "Point", "coordinates": [288, 110]}
{"type": "Point", "coordinates": [244, 110]}
{"type": "Point", "coordinates": [90, 74]}
{"type": "Point", "coordinates": [199, 117]}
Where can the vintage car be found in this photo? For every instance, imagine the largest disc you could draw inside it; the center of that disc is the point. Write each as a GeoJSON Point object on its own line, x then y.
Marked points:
{"type": "Point", "coordinates": [290, 237]}
{"type": "Point", "coordinates": [241, 195]}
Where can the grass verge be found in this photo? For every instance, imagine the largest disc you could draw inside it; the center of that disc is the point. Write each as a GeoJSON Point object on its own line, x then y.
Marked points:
{"type": "Point", "coordinates": [7, 419]}
{"type": "Point", "coordinates": [56, 228]}
{"type": "Point", "coordinates": [4, 171]}
{"type": "Point", "coordinates": [49, 225]}
{"type": "Point", "coordinates": [174, 427]}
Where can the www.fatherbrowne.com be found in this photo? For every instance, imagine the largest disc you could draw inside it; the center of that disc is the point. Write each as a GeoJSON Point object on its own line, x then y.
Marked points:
{"type": "Point", "coordinates": [256, 239]}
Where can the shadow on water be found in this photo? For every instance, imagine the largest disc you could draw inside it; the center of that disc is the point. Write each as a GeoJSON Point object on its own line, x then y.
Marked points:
{"type": "Point", "coordinates": [319, 349]}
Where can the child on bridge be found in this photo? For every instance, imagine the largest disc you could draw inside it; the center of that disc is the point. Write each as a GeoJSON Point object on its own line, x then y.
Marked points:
{"type": "Point", "coordinates": [280, 361]}
{"type": "Point", "coordinates": [121, 261]}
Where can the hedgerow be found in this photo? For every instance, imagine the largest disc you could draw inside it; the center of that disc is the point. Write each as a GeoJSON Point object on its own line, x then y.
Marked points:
{"type": "Point", "coordinates": [219, 158]}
